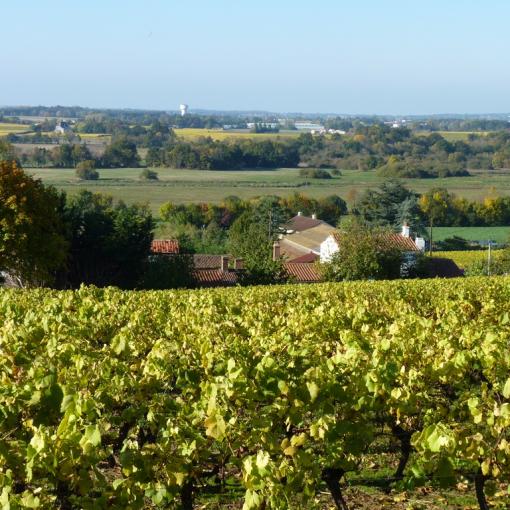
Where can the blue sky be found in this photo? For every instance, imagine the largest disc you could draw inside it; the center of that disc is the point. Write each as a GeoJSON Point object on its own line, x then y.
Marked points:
{"type": "Point", "coordinates": [362, 56]}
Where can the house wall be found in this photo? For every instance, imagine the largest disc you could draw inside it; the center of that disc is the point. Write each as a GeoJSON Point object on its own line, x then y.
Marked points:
{"type": "Point", "coordinates": [328, 248]}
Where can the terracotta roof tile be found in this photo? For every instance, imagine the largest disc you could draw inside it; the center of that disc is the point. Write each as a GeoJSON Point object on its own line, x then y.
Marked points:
{"type": "Point", "coordinates": [166, 246]}
{"type": "Point", "coordinates": [399, 241]}
{"type": "Point", "coordinates": [308, 258]}
{"type": "Point", "coordinates": [204, 261]}
{"type": "Point", "coordinates": [302, 273]}
{"type": "Point", "coordinates": [214, 278]}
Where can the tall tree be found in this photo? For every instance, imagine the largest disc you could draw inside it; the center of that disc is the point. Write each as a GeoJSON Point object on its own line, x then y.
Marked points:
{"type": "Point", "coordinates": [109, 243]}
{"type": "Point", "coordinates": [436, 205]}
{"type": "Point", "coordinates": [252, 241]}
{"type": "Point", "coordinates": [390, 206]}
{"type": "Point", "coordinates": [121, 153]}
{"type": "Point", "coordinates": [32, 244]}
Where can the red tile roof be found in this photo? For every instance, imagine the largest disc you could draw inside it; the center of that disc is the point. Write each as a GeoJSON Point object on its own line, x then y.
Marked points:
{"type": "Point", "coordinates": [306, 259]}
{"type": "Point", "coordinates": [398, 241]}
{"type": "Point", "coordinates": [214, 278]}
{"type": "Point", "coordinates": [204, 261]}
{"type": "Point", "coordinates": [302, 273]}
{"type": "Point", "coordinates": [166, 246]}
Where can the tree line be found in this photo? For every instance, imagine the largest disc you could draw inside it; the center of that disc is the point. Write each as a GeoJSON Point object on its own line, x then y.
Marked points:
{"type": "Point", "coordinates": [209, 154]}
{"type": "Point", "coordinates": [402, 153]}
{"type": "Point", "coordinates": [392, 203]}
{"type": "Point", "coordinates": [391, 152]}
{"type": "Point", "coordinates": [121, 152]}
{"type": "Point", "coordinates": [49, 238]}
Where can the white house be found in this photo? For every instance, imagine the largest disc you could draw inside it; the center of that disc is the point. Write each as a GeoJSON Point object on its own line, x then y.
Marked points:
{"type": "Point", "coordinates": [63, 127]}
{"type": "Point", "coordinates": [329, 247]}
{"type": "Point", "coordinates": [403, 241]}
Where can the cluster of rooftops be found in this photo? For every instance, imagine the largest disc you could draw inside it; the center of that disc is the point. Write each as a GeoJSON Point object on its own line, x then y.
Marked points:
{"type": "Point", "coordinates": [304, 240]}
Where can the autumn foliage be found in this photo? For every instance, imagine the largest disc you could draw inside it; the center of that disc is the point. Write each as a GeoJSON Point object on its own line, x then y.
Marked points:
{"type": "Point", "coordinates": [32, 244]}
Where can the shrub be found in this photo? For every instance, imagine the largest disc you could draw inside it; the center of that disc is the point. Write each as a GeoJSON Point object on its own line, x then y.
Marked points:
{"type": "Point", "coordinates": [314, 173]}
{"type": "Point", "coordinates": [148, 175]}
{"type": "Point", "coordinates": [86, 170]}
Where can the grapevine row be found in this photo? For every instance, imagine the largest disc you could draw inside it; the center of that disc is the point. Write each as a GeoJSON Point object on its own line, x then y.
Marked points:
{"type": "Point", "coordinates": [116, 400]}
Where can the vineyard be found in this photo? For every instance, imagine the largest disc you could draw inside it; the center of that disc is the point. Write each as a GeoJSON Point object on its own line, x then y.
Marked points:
{"type": "Point", "coordinates": [464, 259]}
{"type": "Point", "coordinates": [272, 397]}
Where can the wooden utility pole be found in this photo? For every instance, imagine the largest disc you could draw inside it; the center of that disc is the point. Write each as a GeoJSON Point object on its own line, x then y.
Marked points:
{"type": "Point", "coordinates": [430, 238]}
{"type": "Point", "coordinates": [489, 260]}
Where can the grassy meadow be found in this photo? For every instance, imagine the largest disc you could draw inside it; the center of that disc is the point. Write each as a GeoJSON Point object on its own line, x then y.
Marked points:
{"type": "Point", "coordinates": [185, 186]}
{"type": "Point", "coordinates": [494, 234]}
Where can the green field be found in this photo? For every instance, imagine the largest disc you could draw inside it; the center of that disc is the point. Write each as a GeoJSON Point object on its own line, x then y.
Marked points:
{"type": "Point", "coordinates": [495, 234]}
{"type": "Point", "coordinates": [185, 186]}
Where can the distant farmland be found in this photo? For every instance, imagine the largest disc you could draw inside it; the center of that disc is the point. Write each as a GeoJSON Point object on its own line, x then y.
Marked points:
{"type": "Point", "coordinates": [219, 134]}
{"type": "Point", "coordinates": [185, 186]}
{"type": "Point", "coordinates": [7, 128]}
{"type": "Point", "coordinates": [494, 234]}
{"type": "Point", "coordinates": [454, 136]}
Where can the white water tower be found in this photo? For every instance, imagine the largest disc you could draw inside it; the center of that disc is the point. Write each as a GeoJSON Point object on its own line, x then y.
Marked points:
{"type": "Point", "coordinates": [184, 109]}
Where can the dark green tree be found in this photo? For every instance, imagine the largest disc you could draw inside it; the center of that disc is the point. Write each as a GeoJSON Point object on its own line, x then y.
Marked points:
{"type": "Point", "coordinates": [121, 153]}
{"type": "Point", "coordinates": [167, 272]}
{"type": "Point", "coordinates": [109, 242]}
{"type": "Point", "coordinates": [390, 206]}
{"type": "Point", "coordinates": [251, 240]}
{"type": "Point", "coordinates": [331, 209]}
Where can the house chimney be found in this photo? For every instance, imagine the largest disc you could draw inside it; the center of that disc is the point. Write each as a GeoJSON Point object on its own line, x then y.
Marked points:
{"type": "Point", "coordinates": [276, 250]}
{"type": "Point", "coordinates": [420, 243]}
{"type": "Point", "coordinates": [314, 216]}
{"type": "Point", "coordinates": [238, 264]}
{"type": "Point", "coordinates": [405, 230]}
{"type": "Point", "coordinates": [224, 263]}
{"type": "Point", "coordinates": [299, 213]}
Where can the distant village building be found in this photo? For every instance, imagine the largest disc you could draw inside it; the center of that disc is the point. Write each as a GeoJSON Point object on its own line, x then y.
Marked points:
{"type": "Point", "coordinates": [265, 125]}
{"type": "Point", "coordinates": [308, 126]}
{"type": "Point", "coordinates": [63, 127]}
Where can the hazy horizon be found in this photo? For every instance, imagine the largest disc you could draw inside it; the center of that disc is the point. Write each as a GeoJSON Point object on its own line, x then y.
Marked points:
{"type": "Point", "coordinates": [394, 59]}
{"type": "Point", "coordinates": [212, 111]}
